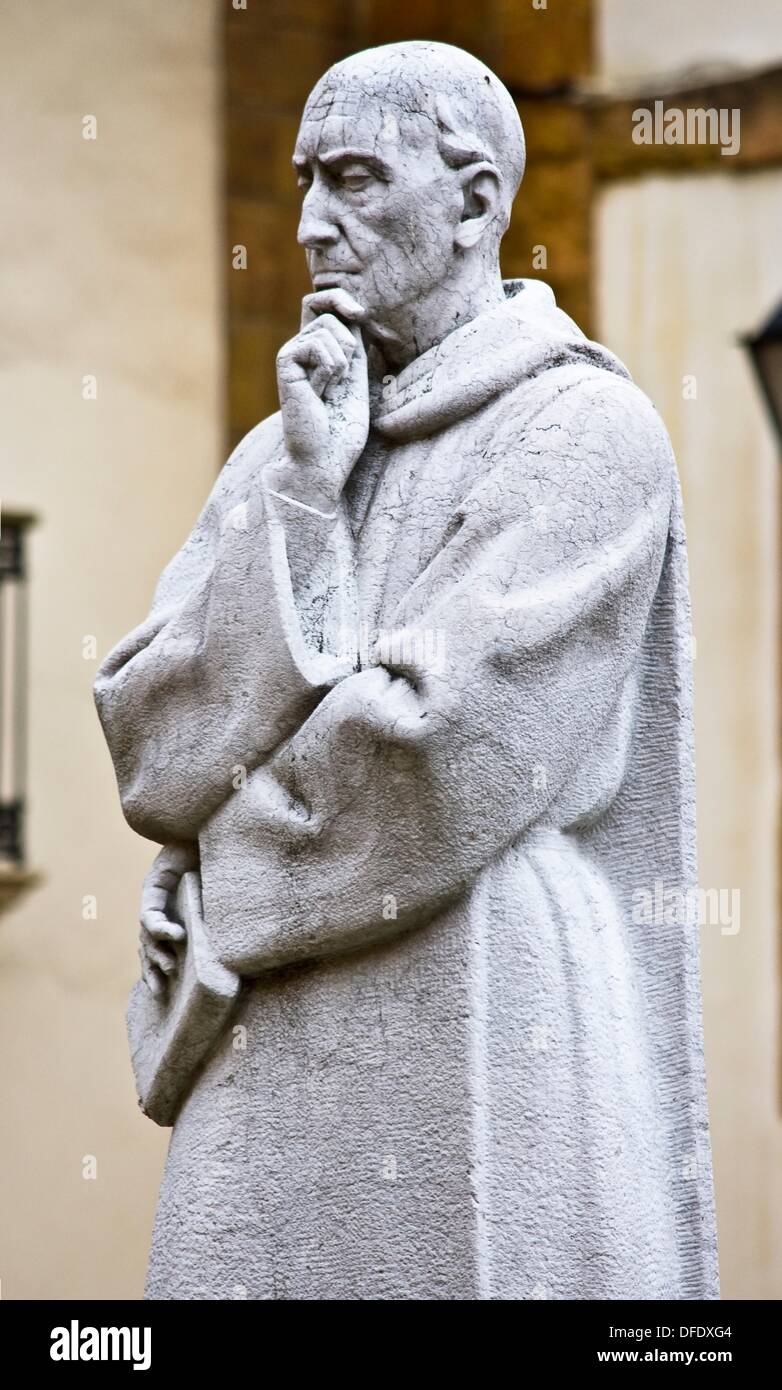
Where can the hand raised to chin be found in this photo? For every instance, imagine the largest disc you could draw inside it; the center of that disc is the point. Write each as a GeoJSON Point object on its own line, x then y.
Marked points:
{"type": "Point", "coordinates": [324, 400]}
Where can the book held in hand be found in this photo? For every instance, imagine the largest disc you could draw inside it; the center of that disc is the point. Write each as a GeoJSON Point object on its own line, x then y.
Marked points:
{"type": "Point", "coordinates": [171, 1035]}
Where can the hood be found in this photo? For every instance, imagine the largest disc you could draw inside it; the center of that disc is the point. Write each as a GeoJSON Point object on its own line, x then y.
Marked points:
{"type": "Point", "coordinates": [518, 339]}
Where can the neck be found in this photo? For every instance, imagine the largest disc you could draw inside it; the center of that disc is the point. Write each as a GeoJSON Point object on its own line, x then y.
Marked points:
{"type": "Point", "coordinates": [405, 332]}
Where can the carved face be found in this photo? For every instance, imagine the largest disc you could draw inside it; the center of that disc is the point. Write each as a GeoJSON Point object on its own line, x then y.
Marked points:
{"type": "Point", "coordinates": [380, 204]}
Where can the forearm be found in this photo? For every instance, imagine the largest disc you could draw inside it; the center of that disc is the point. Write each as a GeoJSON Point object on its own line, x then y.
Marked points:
{"type": "Point", "coordinates": [396, 794]}
{"type": "Point", "coordinates": [409, 778]}
{"type": "Point", "coordinates": [198, 697]}
{"type": "Point", "coordinates": [320, 563]}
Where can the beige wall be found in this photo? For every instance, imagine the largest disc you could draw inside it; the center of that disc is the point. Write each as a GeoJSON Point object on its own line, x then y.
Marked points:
{"type": "Point", "coordinates": [110, 265]}
{"type": "Point", "coordinates": [685, 265]}
{"type": "Point", "coordinates": [638, 38]}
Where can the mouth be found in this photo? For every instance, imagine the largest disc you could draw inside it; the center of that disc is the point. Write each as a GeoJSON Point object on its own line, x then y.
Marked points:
{"type": "Point", "coordinates": [330, 279]}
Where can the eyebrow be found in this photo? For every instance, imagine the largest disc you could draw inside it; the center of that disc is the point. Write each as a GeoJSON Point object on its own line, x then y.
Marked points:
{"type": "Point", "coordinates": [346, 153]}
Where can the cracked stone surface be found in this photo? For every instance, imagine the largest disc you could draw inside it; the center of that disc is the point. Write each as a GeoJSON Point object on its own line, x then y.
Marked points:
{"type": "Point", "coordinates": [415, 699]}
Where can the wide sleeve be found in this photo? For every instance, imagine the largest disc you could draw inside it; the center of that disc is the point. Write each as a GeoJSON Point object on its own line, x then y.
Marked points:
{"type": "Point", "coordinates": [238, 648]}
{"type": "Point", "coordinates": [502, 666]}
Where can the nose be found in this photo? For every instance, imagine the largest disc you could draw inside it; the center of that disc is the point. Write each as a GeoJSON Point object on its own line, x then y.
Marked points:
{"type": "Point", "coordinates": [317, 225]}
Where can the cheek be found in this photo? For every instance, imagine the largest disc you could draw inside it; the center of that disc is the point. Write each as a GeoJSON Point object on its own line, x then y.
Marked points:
{"type": "Point", "coordinates": [417, 224]}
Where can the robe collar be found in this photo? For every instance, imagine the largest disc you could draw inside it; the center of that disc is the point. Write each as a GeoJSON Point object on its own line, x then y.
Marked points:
{"type": "Point", "coordinates": [492, 353]}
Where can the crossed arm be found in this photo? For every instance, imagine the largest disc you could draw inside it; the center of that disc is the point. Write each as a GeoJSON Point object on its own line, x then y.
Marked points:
{"type": "Point", "coordinates": [414, 773]}
{"type": "Point", "coordinates": [223, 670]}
{"type": "Point", "coordinates": [405, 778]}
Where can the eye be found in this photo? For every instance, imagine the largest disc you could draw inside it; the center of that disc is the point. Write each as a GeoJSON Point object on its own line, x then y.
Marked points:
{"type": "Point", "coordinates": [354, 179]}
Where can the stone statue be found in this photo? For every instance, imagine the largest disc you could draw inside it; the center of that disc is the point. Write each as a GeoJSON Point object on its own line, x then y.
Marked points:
{"type": "Point", "coordinates": [413, 708]}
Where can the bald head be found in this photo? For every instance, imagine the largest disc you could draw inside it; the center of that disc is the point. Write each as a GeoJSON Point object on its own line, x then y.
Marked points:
{"type": "Point", "coordinates": [409, 157]}
{"type": "Point", "coordinates": [434, 94]}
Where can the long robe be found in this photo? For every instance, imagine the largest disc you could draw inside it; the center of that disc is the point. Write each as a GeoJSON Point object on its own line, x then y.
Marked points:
{"type": "Point", "coordinates": [437, 756]}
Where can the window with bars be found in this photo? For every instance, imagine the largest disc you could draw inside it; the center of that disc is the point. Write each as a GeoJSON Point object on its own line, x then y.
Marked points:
{"type": "Point", "coordinates": [13, 686]}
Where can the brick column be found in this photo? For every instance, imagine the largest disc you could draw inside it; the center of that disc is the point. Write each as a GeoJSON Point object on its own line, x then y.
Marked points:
{"type": "Point", "coordinates": [274, 53]}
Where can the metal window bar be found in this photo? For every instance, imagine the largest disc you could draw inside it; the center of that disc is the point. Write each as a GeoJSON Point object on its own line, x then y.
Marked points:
{"type": "Point", "coordinates": [13, 688]}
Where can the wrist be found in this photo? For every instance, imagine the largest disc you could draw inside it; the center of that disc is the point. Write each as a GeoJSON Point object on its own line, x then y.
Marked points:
{"type": "Point", "coordinates": [292, 482]}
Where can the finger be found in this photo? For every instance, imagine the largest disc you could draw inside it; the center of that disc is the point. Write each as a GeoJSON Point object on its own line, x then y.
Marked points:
{"type": "Point", "coordinates": [321, 378]}
{"type": "Point", "coordinates": [335, 354]}
{"type": "Point", "coordinates": [321, 369]}
{"type": "Point", "coordinates": [336, 329]}
{"type": "Point", "coordinates": [155, 896]}
{"type": "Point", "coordinates": [335, 301]}
{"type": "Point", "coordinates": [307, 352]}
{"type": "Point", "coordinates": [156, 904]}
{"type": "Point", "coordinates": [338, 357]}
{"type": "Point", "coordinates": [159, 926]}
{"type": "Point", "coordinates": [313, 358]}
{"type": "Point", "coordinates": [163, 876]}
{"type": "Point", "coordinates": [162, 957]}
{"type": "Point", "coordinates": [150, 976]}
{"type": "Point", "coordinates": [172, 861]}
{"type": "Point", "coordinates": [324, 358]}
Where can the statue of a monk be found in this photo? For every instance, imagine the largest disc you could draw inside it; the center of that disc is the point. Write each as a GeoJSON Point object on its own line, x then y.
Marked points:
{"type": "Point", "coordinates": [415, 700]}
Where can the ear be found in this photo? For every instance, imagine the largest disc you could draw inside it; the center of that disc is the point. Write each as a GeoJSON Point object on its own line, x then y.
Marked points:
{"type": "Point", "coordinates": [481, 191]}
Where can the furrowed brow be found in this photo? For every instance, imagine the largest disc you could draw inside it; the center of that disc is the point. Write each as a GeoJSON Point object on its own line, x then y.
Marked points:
{"type": "Point", "coordinates": [332, 158]}
{"type": "Point", "coordinates": [348, 154]}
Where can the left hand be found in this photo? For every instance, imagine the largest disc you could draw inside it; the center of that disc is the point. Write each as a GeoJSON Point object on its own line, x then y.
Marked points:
{"type": "Point", "coordinates": [159, 933]}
